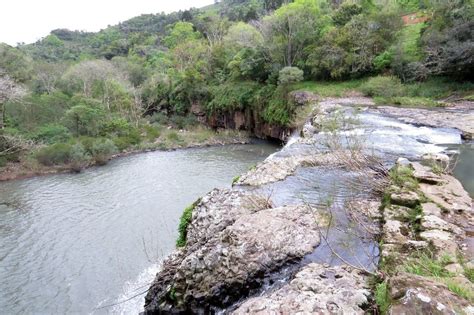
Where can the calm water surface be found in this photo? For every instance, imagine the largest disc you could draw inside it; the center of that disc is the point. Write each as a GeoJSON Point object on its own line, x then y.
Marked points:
{"type": "Point", "coordinates": [77, 243]}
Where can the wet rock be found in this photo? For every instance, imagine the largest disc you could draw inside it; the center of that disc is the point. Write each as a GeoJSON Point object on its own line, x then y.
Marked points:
{"type": "Point", "coordinates": [413, 294]}
{"type": "Point", "coordinates": [276, 169]}
{"type": "Point", "coordinates": [230, 262]}
{"type": "Point", "coordinates": [315, 289]}
{"type": "Point", "coordinates": [408, 198]}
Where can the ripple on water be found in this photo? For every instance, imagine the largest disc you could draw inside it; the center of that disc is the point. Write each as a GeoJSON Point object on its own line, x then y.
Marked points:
{"type": "Point", "coordinates": [70, 241]}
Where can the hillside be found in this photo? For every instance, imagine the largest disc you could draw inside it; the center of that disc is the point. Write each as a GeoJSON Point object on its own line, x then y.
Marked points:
{"type": "Point", "coordinates": [73, 99]}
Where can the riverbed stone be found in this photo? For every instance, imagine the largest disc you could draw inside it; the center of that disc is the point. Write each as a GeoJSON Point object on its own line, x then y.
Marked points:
{"type": "Point", "coordinates": [234, 260]}
{"type": "Point", "coordinates": [395, 232]}
{"type": "Point", "coordinates": [412, 294]}
{"type": "Point", "coordinates": [219, 209]}
{"type": "Point", "coordinates": [450, 195]}
{"type": "Point", "coordinates": [425, 174]}
{"type": "Point", "coordinates": [315, 289]}
{"type": "Point", "coordinates": [443, 241]}
{"type": "Point", "coordinates": [278, 168]}
{"type": "Point", "coordinates": [405, 198]}
{"type": "Point", "coordinates": [432, 222]}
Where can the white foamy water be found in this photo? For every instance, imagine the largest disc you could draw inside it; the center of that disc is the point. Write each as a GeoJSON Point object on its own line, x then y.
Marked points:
{"type": "Point", "coordinates": [131, 300]}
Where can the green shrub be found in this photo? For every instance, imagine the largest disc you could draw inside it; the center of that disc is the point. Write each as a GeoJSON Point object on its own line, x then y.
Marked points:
{"type": "Point", "coordinates": [117, 127]}
{"type": "Point", "coordinates": [232, 96]}
{"type": "Point", "coordinates": [382, 297]}
{"type": "Point", "coordinates": [383, 61]}
{"type": "Point", "coordinates": [184, 222]}
{"type": "Point", "coordinates": [152, 132]}
{"type": "Point", "coordinates": [56, 154]}
{"type": "Point", "coordinates": [173, 136]}
{"type": "Point", "coordinates": [290, 75]}
{"type": "Point", "coordinates": [159, 118]}
{"type": "Point", "coordinates": [78, 157]}
{"type": "Point", "coordinates": [182, 122]}
{"type": "Point", "coordinates": [383, 86]}
{"type": "Point", "coordinates": [102, 150]}
{"type": "Point", "coordinates": [52, 133]}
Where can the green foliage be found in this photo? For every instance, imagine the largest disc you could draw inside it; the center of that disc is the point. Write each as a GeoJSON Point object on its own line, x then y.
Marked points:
{"type": "Point", "coordinates": [235, 180]}
{"type": "Point", "coordinates": [289, 75]}
{"type": "Point", "coordinates": [182, 32]}
{"type": "Point", "coordinates": [402, 176]}
{"type": "Point", "coordinates": [232, 96]}
{"type": "Point", "coordinates": [382, 297]}
{"type": "Point", "coordinates": [56, 154]}
{"type": "Point", "coordinates": [184, 221]}
{"type": "Point", "coordinates": [85, 119]}
{"type": "Point", "coordinates": [385, 86]}
{"type": "Point", "coordinates": [101, 150]}
{"type": "Point", "coordinates": [426, 264]}
{"type": "Point", "coordinates": [52, 133]}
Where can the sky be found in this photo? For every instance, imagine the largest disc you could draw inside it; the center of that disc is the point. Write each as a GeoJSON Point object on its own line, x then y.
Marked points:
{"type": "Point", "coordinates": [29, 20]}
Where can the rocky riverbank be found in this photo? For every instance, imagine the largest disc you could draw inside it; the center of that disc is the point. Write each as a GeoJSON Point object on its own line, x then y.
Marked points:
{"type": "Point", "coordinates": [427, 243]}
{"type": "Point", "coordinates": [305, 230]}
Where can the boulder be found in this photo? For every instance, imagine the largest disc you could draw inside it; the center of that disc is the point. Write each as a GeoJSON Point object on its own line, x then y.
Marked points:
{"type": "Point", "coordinates": [443, 241]}
{"type": "Point", "coordinates": [412, 294]}
{"type": "Point", "coordinates": [315, 289]}
{"type": "Point", "coordinates": [450, 195]}
{"type": "Point", "coordinates": [406, 198]}
{"type": "Point", "coordinates": [395, 232]}
{"type": "Point", "coordinates": [231, 262]}
{"type": "Point", "coordinates": [432, 222]}
{"type": "Point", "coordinates": [424, 174]}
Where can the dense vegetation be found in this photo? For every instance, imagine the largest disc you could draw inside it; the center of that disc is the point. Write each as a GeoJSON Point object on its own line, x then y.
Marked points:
{"type": "Point", "coordinates": [73, 97]}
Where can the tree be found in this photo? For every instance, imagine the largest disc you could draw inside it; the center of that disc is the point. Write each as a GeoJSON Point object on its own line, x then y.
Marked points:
{"type": "Point", "coordinates": [290, 29]}
{"type": "Point", "coordinates": [9, 91]}
{"type": "Point", "coordinates": [180, 33]}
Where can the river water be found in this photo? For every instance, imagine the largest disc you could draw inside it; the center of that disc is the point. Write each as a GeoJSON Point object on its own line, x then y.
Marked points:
{"type": "Point", "coordinates": [76, 243]}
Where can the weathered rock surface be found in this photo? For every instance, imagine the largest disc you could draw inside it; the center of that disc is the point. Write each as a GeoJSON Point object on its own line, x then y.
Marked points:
{"type": "Point", "coordinates": [450, 195]}
{"type": "Point", "coordinates": [413, 294]}
{"type": "Point", "coordinates": [276, 169]}
{"type": "Point", "coordinates": [407, 198]}
{"type": "Point", "coordinates": [315, 289]}
{"type": "Point", "coordinates": [240, 248]}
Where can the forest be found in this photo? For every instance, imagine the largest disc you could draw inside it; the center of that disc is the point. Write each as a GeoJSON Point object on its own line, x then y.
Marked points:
{"type": "Point", "coordinates": [76, 98]}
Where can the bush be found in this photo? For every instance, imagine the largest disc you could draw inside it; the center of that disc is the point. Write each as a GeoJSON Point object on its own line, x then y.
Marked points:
{"type": "Point", "coordinates": [78, 157]}
{"type": "Point", "coordinates": [383, 86]}
{"type": "Point", "coordinates": [117, 127]}
{"type": "Point", "coordinates": [102, 150]}
{"type": "Point", "coordinates": [290, 75]}
{"type": "Point", "coordinates": [56, 154]}
{"type": "Point", "coordinates": [181, 122]}
{"type": "Point", "coordinates": [52, 133]}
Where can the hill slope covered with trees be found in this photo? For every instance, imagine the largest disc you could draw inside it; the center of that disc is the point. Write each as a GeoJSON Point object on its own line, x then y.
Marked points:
{"type": "Point", "coordinates": [73, 97]}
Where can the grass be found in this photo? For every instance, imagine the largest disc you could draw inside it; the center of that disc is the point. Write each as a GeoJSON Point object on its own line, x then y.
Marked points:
{"type": "Point", "coordinates": [425, 264]}
{"type": "Point", "coordinates": [382, 297]}
{"type": "Point", "coordinates": [410, 37]}
{"type": "Point", "coordinates": [184, 222]}
{"type": "Point", "coordinates": [329, 89]}
{"type": "Point", "coordinates": [235, 180]}
{"type": "Point", "coordinates": [459, 290]}
{"type": "Point", "coordinates": [389, 90]}
{"type": "Point", "coordinates": [402, 176]}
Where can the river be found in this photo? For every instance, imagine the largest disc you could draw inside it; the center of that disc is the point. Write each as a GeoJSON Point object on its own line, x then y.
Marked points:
{"type": "Point", "coordinates": [77, 243]}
